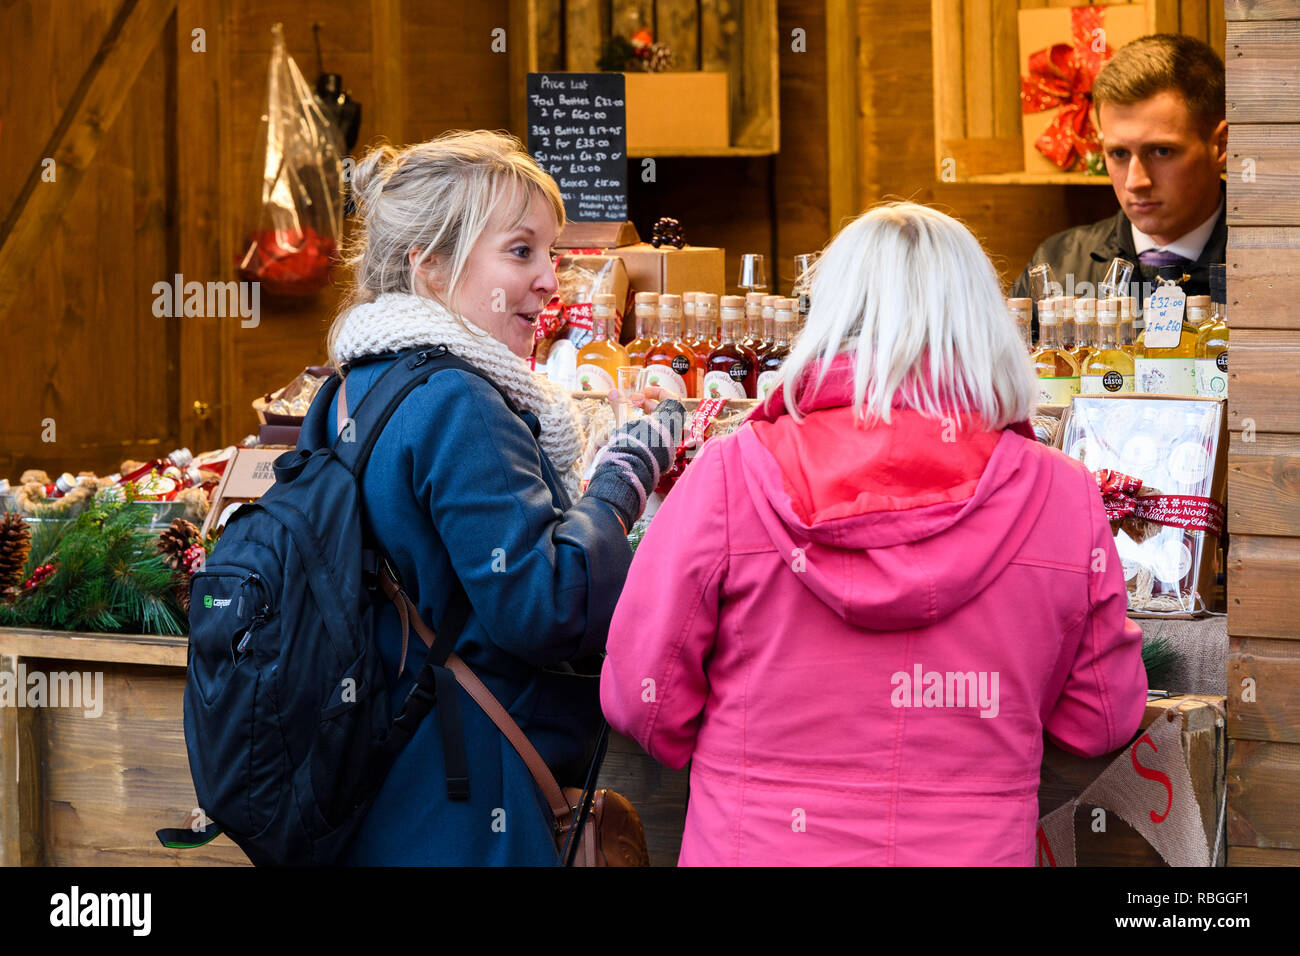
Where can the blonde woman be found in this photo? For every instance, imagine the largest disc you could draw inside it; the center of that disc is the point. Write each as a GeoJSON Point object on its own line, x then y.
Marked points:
{"type": "Point", "coordinates": [471, 492]}
{"type": "Point", "coordinates": [888, 590]}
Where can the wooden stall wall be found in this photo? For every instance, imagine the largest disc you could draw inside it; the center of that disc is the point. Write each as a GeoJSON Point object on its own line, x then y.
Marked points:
{"type": "Point", "coordinates": [1263, 806]}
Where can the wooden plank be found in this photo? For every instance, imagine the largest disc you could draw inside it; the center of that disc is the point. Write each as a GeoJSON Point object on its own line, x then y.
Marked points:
{"type": "Point", "coordinates": [75, 141]}
{"type": "Point", "coordinates": [75, 645]}
{"type": "Point", "coordinates": [1264, 485]}
{"type": "Point", "coordinates": [1264, 287]}
{"type": "Point", "coordinates": [1193, 17]}
{"type": "Point", "coordinates": [1254, 856]}
{"type": "Point", "coordinates": [946, 34]}
{"type": "Point", "coordinates": [1006, 73]}
{"type": "Point", "coordinates": [98, 834]}
{"type": "Point", "coordinates": [1263, 780]}
{"type": "Point", "coordinates": [586, 25]}
{"type": "Point", "coordinates": [677, 23]}
{"type": "Point", "coordinates": [1262, 9]}
{"type": "Point", "coordinates": [1263, 600]}
{"type": "Point", "coordinates": [548, 48]}
{"type": "Point", "coordinates": [1264, 175]}
{"type": "Point", "coordinates": [658, 793]}
{"type": "Point", "coordinates": [1263, 689]}
{"type": "Point", "coordinates": [843, 114]}
{"type": "Point", "coordinates": [1261, 74]}
{"type": "Point", "coordinates": [1216, 30]}
{"type": "Point", "coordinates": [22, 829]}
{"type": "Point", "coordinates": [1262, 381]}
{"type": "Point", "coordinates": [388, 113]}
{"type": "Point", "coordinates": [977, 57]}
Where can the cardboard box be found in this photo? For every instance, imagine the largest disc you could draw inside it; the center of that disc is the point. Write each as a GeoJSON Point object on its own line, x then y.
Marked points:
{"type": "Point", "coordinates": [248, 476]}
{"type": "Point", "coordinates": [1040, 29]}
{"type": "Point", "coordinates": [656, 119]}
{"type": "Point", "coordinates": [1178, 446]}
{"type": "Point", "coordinates": [690, 269]}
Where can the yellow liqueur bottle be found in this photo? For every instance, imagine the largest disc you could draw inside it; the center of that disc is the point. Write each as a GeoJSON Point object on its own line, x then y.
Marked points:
{"type": "Point", "coordinates": [599, 361]}
{"type": "Point", "coordinates": [1127, 337]}
{"type": "Point", "coordinates": [1108, 369]}
{"type": "Point", "coordinates": [1058, 373]}
{"type": "Point", "coordinates": [647, 316]}
{"type": "Point", "coordinates": [1167, 370]}
{"type": "Point", "coordinates": [1021, 312]}
{"type": "Point", "coordinates": [1212, 341]}
{"type": "Point", "coordinates": [1085, 325]}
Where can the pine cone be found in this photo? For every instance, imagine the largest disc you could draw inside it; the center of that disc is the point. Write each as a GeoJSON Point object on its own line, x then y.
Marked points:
{"type": "Point", "coordinates": [15, 547]}
{"type": "Point", "coordinates": [181, 589]}
{"type": "Point", "coordinates": [173, 542]}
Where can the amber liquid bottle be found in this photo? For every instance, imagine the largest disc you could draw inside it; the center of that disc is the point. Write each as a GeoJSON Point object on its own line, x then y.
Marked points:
{"type": "Point", "coordinates": [688, 319]}
{"type": "Point", "coordinates": [769, 365]}
{"type": "Point", "coordinates": [671, 364]}
{"type": "Point", "coordinates": [599, 361]}
{"type": "Point", "coordinates": [752, 333]}
{"type": "Point", "coordinates": [1058, 375]}
{"type": "Point", "coordinates": [731, 370]}
{"type": "Point", "coordinates": [647, 317]}
{"type": "Point", "coordinates": [1212, 342]}
{"type": "Point", "coordinates": [1021, 312]}
{"type": "Point", "coordinates": [706, 315]}
{"type": "Point", "coordinates": [1085, 325]}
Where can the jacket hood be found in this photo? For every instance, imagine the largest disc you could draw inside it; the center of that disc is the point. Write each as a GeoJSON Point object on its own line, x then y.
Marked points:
{"type": "Point", "coordinates": [894, 526]}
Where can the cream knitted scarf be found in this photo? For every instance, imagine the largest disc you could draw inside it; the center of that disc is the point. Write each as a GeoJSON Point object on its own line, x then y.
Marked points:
{"type": "Point", "coordinates": [399, 320]}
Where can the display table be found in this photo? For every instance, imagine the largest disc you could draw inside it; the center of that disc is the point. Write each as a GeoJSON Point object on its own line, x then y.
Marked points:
{"type": "Point", "coordinates": [83, 790]}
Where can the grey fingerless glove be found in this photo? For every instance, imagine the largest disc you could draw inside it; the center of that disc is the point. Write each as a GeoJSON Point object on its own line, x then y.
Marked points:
{"type": "Point", "coordinates": [628, 468]}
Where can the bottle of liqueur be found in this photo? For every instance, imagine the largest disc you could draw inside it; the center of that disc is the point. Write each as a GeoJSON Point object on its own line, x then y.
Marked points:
{"type": "Point", "coordinates": [802, 287]}
{"type": "Point", "coordinates": [599, 361]}
{"type": "Point", "coordinates": [1021, 312]}
{"type": "Point", "coordinates": [671, 364]}
{"type": "Point", "coordinates": [1198, 311]}
{"type": "Point", "coordinates": [1127, 335]}
{"type": "Point", "coordinates": [731, 370]}
{"type": "Point", "coordinates": [689, 328]}
{"type": "Point", "coordinates": [1085, 326]}
{"type": "Point", "coordinates": [769, 364]}
{"type": "Point", "coordinates": [1058, 374]}
{"type": "Point", "coordinates": [706, 315]}
{"type": "Point", "coordinates": [769, 313]}
{"type": "Point", "coordinates": [1065, 311]}
{"type": "Point", "coordinates": [647, 318]}
{"type": "Point", "coordinates": [753, 328]}
{"type": "Point", "coordinates": [1167, 369]}
{"type": "Point", "coordinates": [1108, 369]}
{"type": "Point", "coordinates": [1212, 341]}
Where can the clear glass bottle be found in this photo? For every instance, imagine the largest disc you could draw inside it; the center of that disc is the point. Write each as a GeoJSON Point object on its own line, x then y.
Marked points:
{"type": "Point", "coordinates": [1085, 326]}
{"type": "Point", "coordinates": [688, 317]}
{"type": "Point", "coordinates": [769, 364]}
{"type": "Point", "coordinates": [1058, 374]}
{"type": "Point", "coordinates": [600, 359]}
{"type": "Point", "coordinates": [670, 362]}
{"type": "Point", "coordinates": [753, 328]}
{"type": "Point", "coordinates": [1021, 312]}
{"type": "Point", "coordinates": [1108, 369]}
{"type": "Point", "coordinates": [1127, 317]}
{"type": "Point", "coordinates": [1168, 371]}
{"type": "Point", "coordinates": [732, 367]}
{"type": "Point", "coordinates": [1065, 310]}
{"type": "Point", "coordinates": [706, 317]}
{"type": "Point", "coordinates": [1212, 341]}
{"type": "Point", "coordinates": [646, 311]}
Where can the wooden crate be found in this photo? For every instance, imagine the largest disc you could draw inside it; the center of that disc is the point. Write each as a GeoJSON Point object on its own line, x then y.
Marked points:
{"type": "Point", "coordinates": [1065, 776]}
{"type": "Point", "coordinates": [728, 36]}
{"type": "Point", "coordinates": [977, 83]}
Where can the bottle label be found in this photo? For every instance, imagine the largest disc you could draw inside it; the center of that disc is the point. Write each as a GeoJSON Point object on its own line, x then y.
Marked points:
{"type": "Point", "coordinates": [1166, 376]}
{"type": "Point", "coordinates": [1057, 391]}
{"type": "Point", "coordinates": [722, 385]}
{"type": "Point", "coordinates": [666, 378]}
{"type": "Point", "coordinates": [1164, 320]}
{"type": "Point", "coordinates": [681, 364]}
{"type": "Point", "coordinates": [1108, 383]}
{"type": "Point", "coordinates": [766, 382]}
{"type": "Point", "coordinates": [593, 378]}
{"type": "Point", "coordinates": [1212, 377]}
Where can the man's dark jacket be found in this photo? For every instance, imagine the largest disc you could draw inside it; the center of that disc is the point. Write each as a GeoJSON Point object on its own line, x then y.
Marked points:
{"type": "Point", "coordinates": [1086, 251]}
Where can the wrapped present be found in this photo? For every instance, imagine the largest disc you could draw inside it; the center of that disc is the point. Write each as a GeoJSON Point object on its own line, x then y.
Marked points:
{"type": "Point", "coordinates": [1062, 49]}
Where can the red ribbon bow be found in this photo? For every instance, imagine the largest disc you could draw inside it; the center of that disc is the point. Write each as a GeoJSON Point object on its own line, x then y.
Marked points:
{"type": "Point", "coordinates": [1119, 495]}
{"type": "Point", "coordinates": [1062, 76]}
{"type": "Point", "coordinates": [694, 437]}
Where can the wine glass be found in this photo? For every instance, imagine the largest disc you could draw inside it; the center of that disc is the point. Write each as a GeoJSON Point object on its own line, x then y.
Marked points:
{"type": "Point", "coordinates": [753, 272]}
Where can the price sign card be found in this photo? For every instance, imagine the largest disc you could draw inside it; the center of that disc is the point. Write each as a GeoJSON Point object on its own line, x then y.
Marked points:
{"type": "Point", "coordinates": [577, 132]}
{"type": "Point", "coordinates": [1164, 319]}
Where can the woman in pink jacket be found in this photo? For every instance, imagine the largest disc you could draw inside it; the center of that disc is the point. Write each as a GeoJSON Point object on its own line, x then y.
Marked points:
{"type": "Point", "coordinates": [857, 616]}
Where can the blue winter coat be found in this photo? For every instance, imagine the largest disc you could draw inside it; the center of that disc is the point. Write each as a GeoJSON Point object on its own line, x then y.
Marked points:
{"type": "Point", "coordinates": [458, 485]}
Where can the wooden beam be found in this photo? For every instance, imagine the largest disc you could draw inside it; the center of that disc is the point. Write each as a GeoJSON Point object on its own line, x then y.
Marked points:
{"type": "Point", "coordinates": [89, 116]}
{"type": "Point", "coordinates": [1262, 9]}
{"type": "Point", "coordinates": [1264, 484]}
{"type": "Point", "coordinates": [80, 646]}
{"type": "Point", "coordinates": [1262, 381]}
{"type": "Point", "coordinates": [388, 67]}
{"type": "Point", "coordinates": [1263, 689]}
{"type": "Point", "coordinates": [1263, 600]}
{"type": "Point", "coordinates": [1263, 779]}
{"type": "Point", "coordinates": [1264, 175]}
{"type": "Point", "coordinates": [1260, 71]}
{"type": "Point", "coordinates": [843, 113]}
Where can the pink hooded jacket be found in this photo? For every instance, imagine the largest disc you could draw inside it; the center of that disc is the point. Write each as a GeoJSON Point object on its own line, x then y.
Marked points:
{"type": "Point", "coordinates": [857, 637]}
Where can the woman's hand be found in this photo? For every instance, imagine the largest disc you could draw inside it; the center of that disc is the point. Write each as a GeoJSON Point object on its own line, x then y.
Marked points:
{"type": "Point", "coordinates": [647, 399]}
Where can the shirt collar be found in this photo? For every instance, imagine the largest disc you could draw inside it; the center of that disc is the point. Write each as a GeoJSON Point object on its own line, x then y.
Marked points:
{"type": "Point", "coordinates": [1189, 246]}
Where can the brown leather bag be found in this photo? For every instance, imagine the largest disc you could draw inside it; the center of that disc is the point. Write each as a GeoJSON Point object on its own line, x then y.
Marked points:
{"type": "Point", "coordinates": [612, 834]}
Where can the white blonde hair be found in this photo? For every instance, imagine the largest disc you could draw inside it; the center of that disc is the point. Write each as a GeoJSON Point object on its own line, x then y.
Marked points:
{"type": "Point", "coordinates": [436, 197]}
{"type": "Point", "coordinates": [912, 294]}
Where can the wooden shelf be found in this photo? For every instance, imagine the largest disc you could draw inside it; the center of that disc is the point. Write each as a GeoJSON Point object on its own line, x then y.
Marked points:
{"type": "Point", "coordinates": [682, 151]}
{"type": "Point", "coordinates": [1038, 179]}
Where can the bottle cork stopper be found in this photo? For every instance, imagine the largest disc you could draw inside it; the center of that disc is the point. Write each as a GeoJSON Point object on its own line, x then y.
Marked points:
{"type": "Point", "coordinates": [1020, 305]}
{"type": "Point", "coordinates": [670, 304]}
{"type": "Point", "coordinates": [754, 301]}
{"type": "Point", "coordinates": [1198, 302]}
{"type": "Point", "coordinates": [647, 298]}
{"type": "Point", "coordinates": [1085, 307]}
{"type": "Point", "coordinates": [783, 304]}
{"type": "Point", "coordinates": [706, 303]}
{"type": "Point", "coordinates": [604, 302]}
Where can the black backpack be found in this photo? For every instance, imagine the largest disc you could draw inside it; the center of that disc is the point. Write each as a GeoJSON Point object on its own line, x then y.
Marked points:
{"type": "Point", "coordinates": [288, 720]}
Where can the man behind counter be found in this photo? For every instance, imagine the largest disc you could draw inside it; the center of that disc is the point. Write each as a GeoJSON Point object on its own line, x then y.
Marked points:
{"type": "Point", "coordinates": [1160, 108]}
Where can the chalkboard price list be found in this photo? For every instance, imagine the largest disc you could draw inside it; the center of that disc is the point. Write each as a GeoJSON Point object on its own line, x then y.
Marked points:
{"type": "Point", "coordinates": [577, 133]}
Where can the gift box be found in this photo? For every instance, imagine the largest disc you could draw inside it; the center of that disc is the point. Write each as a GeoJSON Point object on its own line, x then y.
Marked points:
{"type": "Point", "coordinates": [248, 476]}
{"type": "Point", "coordinates": [668, 269]}
{"type": "Point", "coordinates": [1061, 51]}
{"type": "Point", "coordinates": [1161, 465]}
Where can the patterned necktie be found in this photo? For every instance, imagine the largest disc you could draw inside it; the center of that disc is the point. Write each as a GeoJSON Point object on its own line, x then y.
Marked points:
{"type": "Point", "coordinates": [1159, 258]}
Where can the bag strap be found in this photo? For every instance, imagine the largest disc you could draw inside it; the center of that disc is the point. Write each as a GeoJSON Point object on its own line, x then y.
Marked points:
{"type": "Point", "coordinates": [467, 679]}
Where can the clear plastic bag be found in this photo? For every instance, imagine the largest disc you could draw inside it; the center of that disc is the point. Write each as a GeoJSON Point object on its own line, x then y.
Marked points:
{"type": "Point", "coordinates": [300, 211]}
